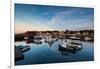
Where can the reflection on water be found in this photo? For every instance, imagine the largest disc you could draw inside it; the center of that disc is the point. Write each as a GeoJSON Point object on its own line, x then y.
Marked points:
{"type": "Point", "coordinates": [50, 52]}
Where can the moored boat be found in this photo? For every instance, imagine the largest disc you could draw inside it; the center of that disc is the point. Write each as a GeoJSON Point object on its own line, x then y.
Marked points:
{"type": "Point", "coordinates": [70, 47]}
{"type": "Point", "coordinates": [26, 48]}
{"type": "Point", "coordinates": [21, 47]}
{"type": "Point", "coordinates": [18, 54]}
{"type": "Point", "coordinates": [75, 38]}
{"type": "Point", "coordinates": [75, 45]}
{"type": "Point", "coordinates": [36, 41]}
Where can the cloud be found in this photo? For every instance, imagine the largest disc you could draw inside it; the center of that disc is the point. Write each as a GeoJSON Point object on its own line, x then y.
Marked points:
{"type": "Point", "coordinates": [62, 19]}
{"type": "Point", "coordinates": [66, 20]}
{"type": "Point", "coordinates": [45, 13]}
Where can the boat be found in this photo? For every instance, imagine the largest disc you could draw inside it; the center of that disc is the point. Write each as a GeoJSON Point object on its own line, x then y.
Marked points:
{"type": "Point", "coordinates": [36, 41]}
{"type": "Point", "coordinates": [64, 53]}
{"type": "Point", "coordinates": [19, 50]}
{"type": "Point", "coordinates": [18, 53]}
{"type": "Point", "coordinates": [28, 41]}
{"type": "Point", "coordinates": [49, 40]}
{"type": "Point", "coordinates": [75, 38]}
{"type": "Point", "coordinates": [76, 45]}
{"type": "Point", "coordinates": [70, 47]}
{"type": "Point", "coordinates": [26, 48]}
{"type": "Point", "coordinates": [21, 47]}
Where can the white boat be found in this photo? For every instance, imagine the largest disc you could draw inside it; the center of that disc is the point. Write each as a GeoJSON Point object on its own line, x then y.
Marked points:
{"type": "Point", "coordinates": [48, 39]}
{"type": "Point", "coordinates": [26, 48]}
{"type": "Point", "coordinates": [75, 45]}
{"type": "Point", "coordinates": [70, 47]}
{"type": "Point", "coordinates": [75, 38]}
{"type": "Point", "coordinates": [37, 41]}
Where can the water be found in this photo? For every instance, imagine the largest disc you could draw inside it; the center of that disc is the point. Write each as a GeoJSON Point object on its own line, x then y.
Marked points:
{"type": "Point", "coordinates": [49, 53]}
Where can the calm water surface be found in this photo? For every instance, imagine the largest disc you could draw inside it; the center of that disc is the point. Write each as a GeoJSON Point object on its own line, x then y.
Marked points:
{"type": "Point", "coordinates": [49, 53]}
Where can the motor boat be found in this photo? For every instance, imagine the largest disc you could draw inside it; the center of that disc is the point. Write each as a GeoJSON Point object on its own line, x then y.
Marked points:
{"type": "Point", "coordinates": [24, 48]}
{"type": "Point", "coordinates": [18, 53]}
{"type": "Point", "coordinates": [75, 45]}
{"type": "Point", "coordinates": [70, 47]}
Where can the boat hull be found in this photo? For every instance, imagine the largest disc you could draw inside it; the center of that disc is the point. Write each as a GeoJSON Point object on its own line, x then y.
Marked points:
{"type": "Point", "coordinates": [71, 50]}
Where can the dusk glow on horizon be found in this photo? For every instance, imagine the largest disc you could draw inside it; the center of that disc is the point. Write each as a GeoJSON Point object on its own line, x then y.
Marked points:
{"type": "Point", "coordinates": [42, 17]}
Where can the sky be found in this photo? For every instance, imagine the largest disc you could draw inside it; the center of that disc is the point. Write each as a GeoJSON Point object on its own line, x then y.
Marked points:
{"type": "Point", "coordinates": [30, 17]}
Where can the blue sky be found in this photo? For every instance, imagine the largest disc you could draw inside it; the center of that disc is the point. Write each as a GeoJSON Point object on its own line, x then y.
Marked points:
{"type": "Point", "coordinates": [41, 17]}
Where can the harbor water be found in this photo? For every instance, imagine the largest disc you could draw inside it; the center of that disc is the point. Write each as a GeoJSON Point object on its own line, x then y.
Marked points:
{"type": "Point", "coordinates": [50, 53]}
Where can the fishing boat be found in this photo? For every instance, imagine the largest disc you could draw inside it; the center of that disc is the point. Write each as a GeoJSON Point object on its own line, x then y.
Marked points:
{"type": "Point", "coordinates": [74, 38]}
{"type": "Point", "coordinates": [26, 48]}
{"type": "Point", "coordinates": [76, 45]}
{"type": "Point", "coordinates": [48, 39]}
{"type": "Point", "coordinates": [18, 53]}
{"type": "Point", "coordinates": [70, 47]}
{"type": "Point", "coordinates": [37, 41]}
{"type": "Point", "coordinates": [21, 47]}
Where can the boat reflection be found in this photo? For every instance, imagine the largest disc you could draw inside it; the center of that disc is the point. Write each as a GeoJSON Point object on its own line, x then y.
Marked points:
{"type": "Point", "coordinates": [64, 53]}
{"type": "Point", "coordinates": [51, 41]}
{"type": "Point", "coordinates": [50, 44]}
{"type": "Point", "coordinates": [64, 46]}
